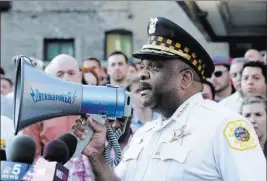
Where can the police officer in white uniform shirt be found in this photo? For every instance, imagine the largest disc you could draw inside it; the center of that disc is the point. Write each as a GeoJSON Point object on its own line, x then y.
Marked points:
{"type": "Point", "coordinates": [193, 139]}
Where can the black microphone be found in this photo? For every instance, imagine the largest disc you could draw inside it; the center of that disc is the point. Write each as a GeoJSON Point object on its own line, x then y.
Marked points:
{"type": "Point", "coordinates": [22, 154]}
{"type": "Point", "coordinates": [71, 141]}
{"type": "Point", "coordinates": [56, 153]}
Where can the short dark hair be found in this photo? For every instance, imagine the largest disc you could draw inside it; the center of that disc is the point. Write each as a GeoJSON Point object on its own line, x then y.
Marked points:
{"type": "Point", "coordinates": [204, 81]}
{"type": "Point", "coordinates": [118, 53]}
{"type": "Point", "coordinates": [93, 59]}
{"type": "Point", "coordinates": [257, 64]}
{"type": "Point", "coordinates": [2, 71]}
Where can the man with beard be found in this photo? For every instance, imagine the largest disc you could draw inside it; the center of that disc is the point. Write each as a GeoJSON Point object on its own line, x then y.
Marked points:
{"type": "Point", "coordinates": [221, 78]}
{"type": "Point", "coordinates": [117, 68]}
{"type": "Point", "coordinates": [193, 139]}
{"type": "Point", "coordinates": [141, 114]}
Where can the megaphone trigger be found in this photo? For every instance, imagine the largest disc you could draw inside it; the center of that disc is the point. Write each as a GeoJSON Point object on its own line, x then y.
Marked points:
{"type": "Point", "coordinates": [81, 122]}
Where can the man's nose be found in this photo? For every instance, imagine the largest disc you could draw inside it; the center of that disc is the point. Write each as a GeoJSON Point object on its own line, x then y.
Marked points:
{"type": "Point", "coordinates": [66, 77]}
{"type": "Point", "coordinates": [143, 75]}
{"type": "Point", "coordinates": [250, 81]}
{"type": "Point", "coordinates": [253, 120]}
{"type": "Point", "coordinates": [117, 66]}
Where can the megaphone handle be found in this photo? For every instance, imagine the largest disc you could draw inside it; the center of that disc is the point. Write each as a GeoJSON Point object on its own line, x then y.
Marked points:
{"type": "Point", "coordinates": [83, 120]}
{"type": "Point", "coordinates": [81, 144]}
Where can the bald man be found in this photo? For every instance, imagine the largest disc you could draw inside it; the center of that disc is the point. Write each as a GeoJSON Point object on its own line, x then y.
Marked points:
{"type": "Point", "coordinates": [254, 55]}
{"type": "Point", "coordinates": [64, 67]}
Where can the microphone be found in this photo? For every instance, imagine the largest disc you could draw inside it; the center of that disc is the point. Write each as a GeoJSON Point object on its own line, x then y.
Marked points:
{"type": "Point", "coordinates": [71, 141]}
{"type": "Point", "coordinates": [56, 153]}
{"type": "Point", "coordinates": [22, 154]}
{"type": "Point", "coordinates": [3, 150]}
{"type": "Point", "coordinates": [56, 150]}
{"type": "Point", "coordinates": [68, 139]}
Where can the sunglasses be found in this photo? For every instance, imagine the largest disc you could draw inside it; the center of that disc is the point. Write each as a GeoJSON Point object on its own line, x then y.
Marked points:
{"type": "Point", "coordinates": [218, 73]}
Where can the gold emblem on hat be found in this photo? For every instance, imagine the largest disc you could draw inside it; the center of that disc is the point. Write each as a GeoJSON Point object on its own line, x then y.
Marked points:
{"type": "Point", "coordinates": [152, 25]}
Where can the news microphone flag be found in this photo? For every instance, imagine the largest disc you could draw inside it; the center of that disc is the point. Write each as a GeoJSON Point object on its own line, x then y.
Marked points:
{"type": "Point", "coordinates": [30, 173]}
{"type": "Point", "coordinates": [50, 171]}
{"type": "Point", "coordinates": [13, 171]}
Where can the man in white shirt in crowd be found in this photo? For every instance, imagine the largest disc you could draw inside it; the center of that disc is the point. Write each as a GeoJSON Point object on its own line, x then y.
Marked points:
{"type": "Point", "coordinates": [234, 101]}
{"type": "Point", "coordinates": [117, 68]}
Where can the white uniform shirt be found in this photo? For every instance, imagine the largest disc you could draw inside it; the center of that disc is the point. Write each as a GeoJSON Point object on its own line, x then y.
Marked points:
{"type": "Point", "coordinates": [208, 151]}
{"type": "Point", "coordinates": [233, 102]}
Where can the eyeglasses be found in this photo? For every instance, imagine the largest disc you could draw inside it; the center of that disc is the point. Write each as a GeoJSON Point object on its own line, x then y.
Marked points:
{"type": "Point", "coordinates": [219, 73]}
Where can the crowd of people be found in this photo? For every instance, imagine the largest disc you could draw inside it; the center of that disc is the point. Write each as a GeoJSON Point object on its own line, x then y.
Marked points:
{"type": "Point", "coordinates": [238, 83]}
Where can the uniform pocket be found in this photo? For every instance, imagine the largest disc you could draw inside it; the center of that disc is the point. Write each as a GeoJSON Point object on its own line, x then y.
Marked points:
{"type": "Point", "coordinates": [172, 160]}
{"type": "Point", "coordinates": [174, 151]}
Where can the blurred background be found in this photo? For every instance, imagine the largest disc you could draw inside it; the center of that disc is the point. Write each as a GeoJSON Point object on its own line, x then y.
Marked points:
{"type": "Point", "coordinates": [44, 29]}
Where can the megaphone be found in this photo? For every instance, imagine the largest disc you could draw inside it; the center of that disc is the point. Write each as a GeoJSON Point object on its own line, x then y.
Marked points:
{"type": "Point", "coordinates": [39, 96]}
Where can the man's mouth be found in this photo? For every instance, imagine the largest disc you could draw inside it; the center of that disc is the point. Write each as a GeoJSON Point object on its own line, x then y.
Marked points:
{"type": "Point", "coordinates": [255, 127]}
{"type": "Point", "coordinates": [144, 88]}
{"type": "Point", "coordinates": [251, 89]}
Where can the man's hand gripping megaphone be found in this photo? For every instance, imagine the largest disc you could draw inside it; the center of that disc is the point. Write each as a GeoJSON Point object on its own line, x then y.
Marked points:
{"type": "Point", "coordinates": [98, 139]}
{"type": "Point", "coordinates": [86, 127]}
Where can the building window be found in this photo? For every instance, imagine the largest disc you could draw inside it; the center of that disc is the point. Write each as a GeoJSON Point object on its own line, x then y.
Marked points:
{"type": "Point", "coordinates": [119, 40]}
{"type": "Point", "coordinates": [54, 47]}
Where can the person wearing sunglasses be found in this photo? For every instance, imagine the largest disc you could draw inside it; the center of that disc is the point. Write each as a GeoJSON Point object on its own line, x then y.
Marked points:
{"type": "Point", "coordinates": [221, 78]}
{"type": "Point", "coordinates": [234, 101]}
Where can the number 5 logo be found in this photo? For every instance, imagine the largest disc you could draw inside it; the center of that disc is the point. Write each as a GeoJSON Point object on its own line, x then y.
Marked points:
{"type": "Point", "coordinates": [16, 169]}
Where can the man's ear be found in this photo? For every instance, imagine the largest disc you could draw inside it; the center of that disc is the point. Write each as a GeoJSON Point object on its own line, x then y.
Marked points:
{"type": "Point", "coordinates": [187, 79]}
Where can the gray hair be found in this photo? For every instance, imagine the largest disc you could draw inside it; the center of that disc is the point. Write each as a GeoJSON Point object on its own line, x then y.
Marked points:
{"type": "Point", "coordinates": [253, 100]}
{"type": "Point", "coordinates": [239, 59]}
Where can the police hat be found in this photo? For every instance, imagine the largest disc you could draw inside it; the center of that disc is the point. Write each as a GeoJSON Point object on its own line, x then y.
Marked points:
{"type": "Point", "coordinates": [167, 40]}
